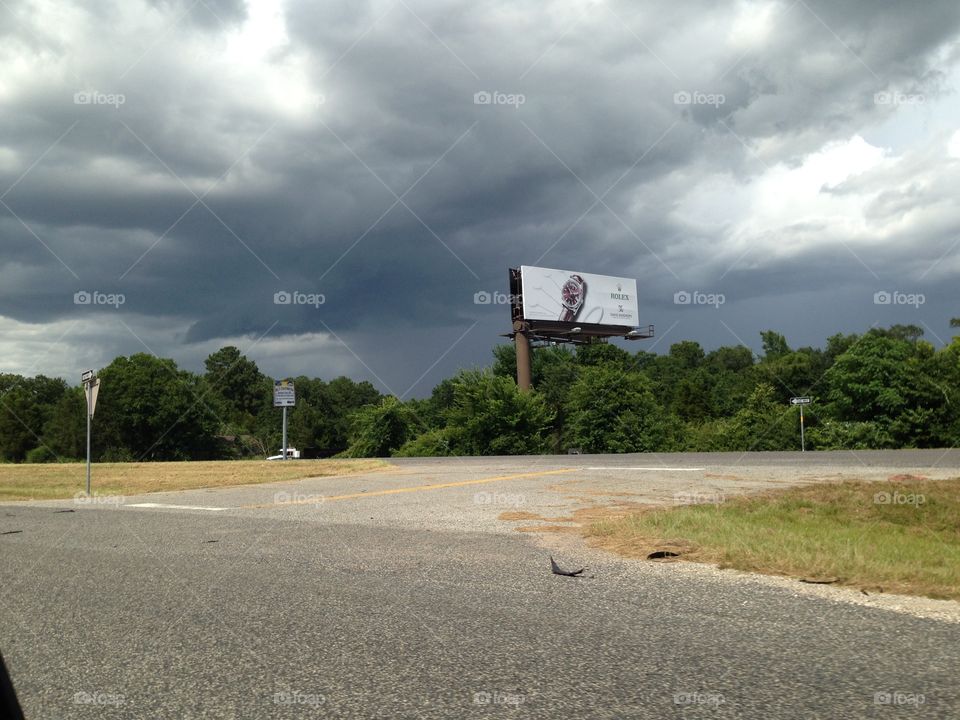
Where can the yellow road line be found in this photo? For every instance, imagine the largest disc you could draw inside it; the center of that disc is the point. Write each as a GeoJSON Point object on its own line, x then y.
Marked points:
{"type": "Point", "coordinates": [415, 488]}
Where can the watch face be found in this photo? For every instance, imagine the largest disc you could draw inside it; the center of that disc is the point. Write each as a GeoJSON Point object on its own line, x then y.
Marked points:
{"type": "Point", "coordinates": [571, 294]}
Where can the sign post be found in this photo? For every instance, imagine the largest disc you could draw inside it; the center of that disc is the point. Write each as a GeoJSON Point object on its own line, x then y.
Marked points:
{"type": "Point", "coordinates": [284, 396]}
{"type": "Point", "coordinates": [91, 388]}
{"type": "Point", "coordinates": [801, 401]}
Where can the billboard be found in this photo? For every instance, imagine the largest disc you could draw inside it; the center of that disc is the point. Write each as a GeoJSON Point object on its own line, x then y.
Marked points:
{"type": "Point", "coordinates": [578, 297]}
{"type": "Point", "coordinates": [284, 394]}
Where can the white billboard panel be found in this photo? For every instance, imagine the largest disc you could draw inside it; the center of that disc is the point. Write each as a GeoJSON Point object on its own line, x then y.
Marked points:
{"type": "Point", "coordinates": [579, 297]}
{"type": "Point", "coordinates": [284, 394]}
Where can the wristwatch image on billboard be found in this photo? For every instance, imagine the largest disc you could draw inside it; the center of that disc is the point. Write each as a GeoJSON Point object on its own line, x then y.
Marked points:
{"type": "Point", "coordinates": [572, 294]}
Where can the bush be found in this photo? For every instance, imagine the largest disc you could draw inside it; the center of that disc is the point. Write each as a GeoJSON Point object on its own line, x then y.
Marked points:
{"type": "Point", "coordinates": [432, 443]}
{"type": "Point", "coordinates": [41, 454]}
{"type": "Point", "coordinates": [115, 454]}
{"type": "Point", "coordinates": [490, 416]}
{"type": "Point", "coordinates": [839, 435]}
{"type": "Point", "coordinates": [611, 411]}
{"type": "Point", "coordinates": [379, 430]}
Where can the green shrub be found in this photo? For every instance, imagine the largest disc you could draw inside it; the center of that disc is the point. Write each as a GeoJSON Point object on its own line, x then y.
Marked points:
{"type": "Point", "coordinates": [41, 454]}
{"type": "Point", "coordinates": [432, 443]}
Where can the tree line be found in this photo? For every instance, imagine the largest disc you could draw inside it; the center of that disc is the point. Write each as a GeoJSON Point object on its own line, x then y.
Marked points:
{"type": "Point", "coordinates": [886, 388]}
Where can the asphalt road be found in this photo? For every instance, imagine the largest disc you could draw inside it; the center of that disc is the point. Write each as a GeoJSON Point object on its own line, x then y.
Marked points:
{"type": "Point", "coordinates": [402, 593]}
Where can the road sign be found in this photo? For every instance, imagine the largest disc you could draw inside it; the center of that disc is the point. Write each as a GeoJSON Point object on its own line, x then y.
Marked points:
{"type": "Point", "coordinates": [91, 390]}
{"type": "Point", "coordinates": [283, 393]}
{"type": "Point", "coordinates": [801, 401]}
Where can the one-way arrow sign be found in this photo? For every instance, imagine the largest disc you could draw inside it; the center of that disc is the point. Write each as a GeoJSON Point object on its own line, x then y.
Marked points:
{"type": "Point", "coordinates": [799, 401]}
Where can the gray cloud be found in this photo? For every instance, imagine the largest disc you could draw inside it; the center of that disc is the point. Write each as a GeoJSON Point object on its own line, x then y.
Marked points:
{"type": "Point", "coordinates": [649, 143]}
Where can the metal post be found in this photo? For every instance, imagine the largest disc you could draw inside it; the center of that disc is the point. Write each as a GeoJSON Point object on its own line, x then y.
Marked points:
{"type": "Point", "coordinates": [524, 374]}
{"type": "Point", "coordinates": [88, 391]}
{"type": "Point", "coordinates": [284, 432]}
{"type": "Point", "coordinates": [803, 446]}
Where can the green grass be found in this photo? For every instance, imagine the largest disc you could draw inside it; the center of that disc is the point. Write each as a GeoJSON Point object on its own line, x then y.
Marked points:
{"type": "Point", "coordinates": [815, 532]}
{"type": "Point", "coordinates": [64, 480]}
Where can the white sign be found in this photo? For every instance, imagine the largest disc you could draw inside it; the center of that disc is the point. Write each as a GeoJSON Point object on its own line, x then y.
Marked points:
{"type": "Point", "coordinates": [799, 401]}
{"type": "Point", "coordinates": [91, 390]}
{"type": "Point", "coordinates": [283, 394]}
{"type": "Point", "coordinates": [578, 297]}
{"type": "Point", "coordinates": [87, 376]}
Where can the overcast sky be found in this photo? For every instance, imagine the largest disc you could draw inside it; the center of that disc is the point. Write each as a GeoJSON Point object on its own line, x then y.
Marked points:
{"type": "Point", "coordinates": [776, 164]}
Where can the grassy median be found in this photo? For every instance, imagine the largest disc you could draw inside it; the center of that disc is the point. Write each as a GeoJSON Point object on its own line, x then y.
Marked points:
{"type": "Point", "coordinates": [64, 480]}
{"type": "Point", "coordinates": [901, 536]}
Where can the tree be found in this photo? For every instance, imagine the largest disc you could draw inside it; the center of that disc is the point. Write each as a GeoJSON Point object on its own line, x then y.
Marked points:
{"type": "Point", "coordinates": [65, 432]}
{"type": "Point", "coordinates": [491, 416]}
{"type": "Point", "coordinates": [379, 430]}
{"type": "Point", "coordinates": [732, 359]}
{"type": "Point", "coordinates": [235, 386]}
{"type": "Point", "coordinates": [688, 353]}
{"type": "Point", "coordinates": [881, 378]}
{"type": "Point", "coordinates": [151, 410]}
{"type": "Point", "coordinates": [602, 353]}
{"type": "Point", "coordinates": [763, 423]}
{"type": "Point", "coordinates": [26, 405]}
{"type": "Point", "coordinates": [774, 344]}
{"type": "Point", "coordinates": [794, 372]}
{"type": "Point", "coordinates": [910, 333]}
{"type": "Point", "coordinates": [612, 411]}
{"type": "Point", "coordinates": [838, 344]}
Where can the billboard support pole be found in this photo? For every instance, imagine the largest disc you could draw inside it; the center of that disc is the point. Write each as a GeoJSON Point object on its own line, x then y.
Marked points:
{"type": "Point", "coordinates": [524, 373]}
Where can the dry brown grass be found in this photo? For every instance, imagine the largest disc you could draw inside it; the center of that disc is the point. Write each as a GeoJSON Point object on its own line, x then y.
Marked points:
{"type": "Point", "coordinates": [896, 536]}
{"type": "Point", "coordinates": [64, 480]}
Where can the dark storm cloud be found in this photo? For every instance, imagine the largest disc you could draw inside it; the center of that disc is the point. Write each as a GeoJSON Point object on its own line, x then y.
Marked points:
{"type": "Point", "coordinates": [352, 161]}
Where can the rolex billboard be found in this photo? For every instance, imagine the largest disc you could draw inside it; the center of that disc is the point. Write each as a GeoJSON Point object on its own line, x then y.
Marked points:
{"type": "Point", "coordinates": [578, 297]}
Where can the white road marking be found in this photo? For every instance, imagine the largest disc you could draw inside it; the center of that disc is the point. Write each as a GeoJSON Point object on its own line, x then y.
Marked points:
{"type": "Point", "coordinates": [658, 469]}
{"type": "Point", "coordinates": [175, 507]}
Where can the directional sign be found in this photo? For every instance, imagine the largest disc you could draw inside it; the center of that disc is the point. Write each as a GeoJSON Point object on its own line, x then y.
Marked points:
{"type": "Point", "coordinates": [283, 393]}
{"type": "Point", "coordinates": [91, 390]}
{"type": "Point", "coordinates": [87, 376]}
{"type": "Point", "coordinates": [799, 401]}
